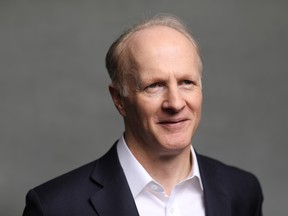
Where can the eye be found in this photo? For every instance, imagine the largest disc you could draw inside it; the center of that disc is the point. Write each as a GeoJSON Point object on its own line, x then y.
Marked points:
{"type": "Point", "coordinates": [155, 85]}
{"type": "Point", "coordinates": [154, 88]}
{"type": "Point", "coordinates": [188, 84]}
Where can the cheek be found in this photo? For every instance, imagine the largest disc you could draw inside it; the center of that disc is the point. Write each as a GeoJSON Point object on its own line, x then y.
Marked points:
{"type": "Point", "coordinates": [195, 103]}
{"type": "Point", "coordinates": [137, 110]}
{"type": "Point", "coordinates": [147, 109]}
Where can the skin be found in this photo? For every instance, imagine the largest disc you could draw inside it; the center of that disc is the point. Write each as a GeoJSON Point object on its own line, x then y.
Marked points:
{"type": "Point", "coordinates": [163, 108]}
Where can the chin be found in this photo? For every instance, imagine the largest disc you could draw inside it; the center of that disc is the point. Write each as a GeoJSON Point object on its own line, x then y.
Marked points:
{"type": "Point", "coordinates": [176, 145]}
{"type": "Point", "coordinates": [178, 139]}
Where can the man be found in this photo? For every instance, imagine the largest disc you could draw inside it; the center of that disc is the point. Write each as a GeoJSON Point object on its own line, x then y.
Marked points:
{"type": "Point", "coordinates": [155, 68]}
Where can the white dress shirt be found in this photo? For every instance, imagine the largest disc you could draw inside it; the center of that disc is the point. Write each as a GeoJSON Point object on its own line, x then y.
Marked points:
{"type": "Point", "coordinates": [186, 199]}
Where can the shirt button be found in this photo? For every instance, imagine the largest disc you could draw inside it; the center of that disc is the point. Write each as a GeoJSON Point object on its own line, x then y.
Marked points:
{"type": "Point", "coordinates": [154, 187]}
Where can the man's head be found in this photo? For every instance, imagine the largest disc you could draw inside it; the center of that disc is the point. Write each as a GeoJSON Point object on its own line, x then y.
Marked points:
{"type": "Point", "coordinates": [117, 59]}
{"type": "Point", "coordinates": [156, 85]}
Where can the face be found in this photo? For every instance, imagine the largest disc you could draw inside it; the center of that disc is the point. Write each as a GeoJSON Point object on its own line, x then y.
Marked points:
{"type": "Point", "coordinates": [163, 107]}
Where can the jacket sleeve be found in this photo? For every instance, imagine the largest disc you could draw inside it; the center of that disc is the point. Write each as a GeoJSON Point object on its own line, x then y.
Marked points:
{"type": "Point", "coordinates": [258, 211]}
{"type": "Point", "coordinates": [33, 205]}
{"type": "Point", "coordinates": [249, 197]}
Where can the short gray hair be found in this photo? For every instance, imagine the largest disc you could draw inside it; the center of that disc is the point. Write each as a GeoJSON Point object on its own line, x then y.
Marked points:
{"type": "Point", "coordinates": [116, 58]}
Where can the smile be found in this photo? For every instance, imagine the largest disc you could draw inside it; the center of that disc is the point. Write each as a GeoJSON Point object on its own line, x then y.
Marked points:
{"type": "Point", "coordinates": [174, 124]}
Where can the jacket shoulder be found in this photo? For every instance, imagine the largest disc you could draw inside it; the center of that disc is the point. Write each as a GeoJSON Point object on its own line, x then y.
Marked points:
{"type": "Point", "coordinates": [240, 187]}
{"type": "Point", "coordinates": [69, 194]}
{"type": "Point", "coordinates": [60, 195]}
{"type": "Point", "coordinates": [228, 174]}
{"type": "Point", "coordinates": [68, 180]}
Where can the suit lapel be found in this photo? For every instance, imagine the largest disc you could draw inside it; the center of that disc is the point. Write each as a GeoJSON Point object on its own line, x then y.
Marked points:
{"type": "Point", "coordinates": [114, 196]}
{"type": "Point", "coordinates": [216, 198]}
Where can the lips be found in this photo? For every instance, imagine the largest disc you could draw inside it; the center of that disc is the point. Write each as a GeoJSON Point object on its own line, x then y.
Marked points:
{"type": "Point", "coordinates": [173, 123]}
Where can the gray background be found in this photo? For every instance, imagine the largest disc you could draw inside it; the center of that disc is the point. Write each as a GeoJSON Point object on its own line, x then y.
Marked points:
{"type": "Point", "coordinates": [56, 113]}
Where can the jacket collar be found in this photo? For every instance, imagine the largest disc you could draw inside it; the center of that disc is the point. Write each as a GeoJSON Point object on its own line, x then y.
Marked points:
{"type": "Point", "coordinates": [216, 199]}
{"type": "Point", "coordinates": [114, 196]}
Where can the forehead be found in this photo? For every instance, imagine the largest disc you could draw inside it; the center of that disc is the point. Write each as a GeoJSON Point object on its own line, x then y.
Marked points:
{"type": "Point", "coordinates": [162, 48]}
{"type": "Point", "coordinates": [158, 34]}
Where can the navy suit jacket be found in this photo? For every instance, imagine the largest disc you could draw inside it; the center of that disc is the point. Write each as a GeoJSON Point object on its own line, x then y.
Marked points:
{"type": "Point", "coordinates": [100, 188]}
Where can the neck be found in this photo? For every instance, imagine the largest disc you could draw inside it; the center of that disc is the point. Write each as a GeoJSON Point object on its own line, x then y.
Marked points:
{"type": "Point", "coordinates": [166, 169]}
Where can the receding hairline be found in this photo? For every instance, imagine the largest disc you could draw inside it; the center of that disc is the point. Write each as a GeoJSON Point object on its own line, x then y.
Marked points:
{"type": "Point", "coordinates": [141, 35]}
{"type": "Point", "coordinates": [146, 35]}
{"type": "Point", "coordinates": [118, 61]}
{"type": "Point", "coordinates": [168, 21]}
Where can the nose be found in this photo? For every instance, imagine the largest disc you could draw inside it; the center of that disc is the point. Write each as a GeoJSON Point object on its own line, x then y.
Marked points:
{"type": "Point", "coordinates": [173, 101]}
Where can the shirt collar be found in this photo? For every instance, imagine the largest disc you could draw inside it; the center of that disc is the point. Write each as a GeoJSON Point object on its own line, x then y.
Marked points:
{"type": "Point", "coordinates": [195, 168]}
{"type": "Point", "coordinates": [135, 173]}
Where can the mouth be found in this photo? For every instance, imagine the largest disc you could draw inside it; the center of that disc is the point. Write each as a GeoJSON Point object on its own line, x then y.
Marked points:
{"type": "Point", "coordinates": [173, 123]}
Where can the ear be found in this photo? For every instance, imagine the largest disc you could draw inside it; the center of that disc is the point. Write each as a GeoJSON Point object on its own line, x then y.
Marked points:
{"type": "Point", "coordinates": [117, 99]}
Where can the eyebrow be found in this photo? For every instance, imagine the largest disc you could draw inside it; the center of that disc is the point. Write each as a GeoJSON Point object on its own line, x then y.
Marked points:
{"type": "Point", "coordinates": [141, 83]}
